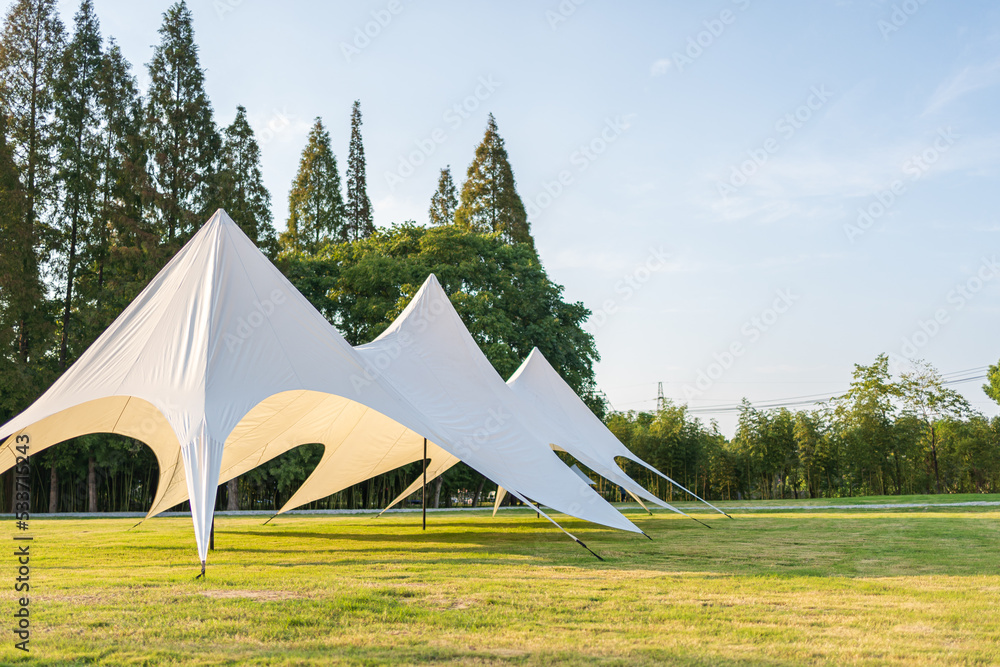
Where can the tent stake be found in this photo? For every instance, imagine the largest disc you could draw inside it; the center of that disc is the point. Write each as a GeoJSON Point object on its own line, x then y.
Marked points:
{"type": "Point", "coordinates": [694, 519]}
{"type": "Point", "coordinates": [588, 549]}
{"type": "Point", "coordinates": [202, 571]}
{"type": "Point", "coordinates": [269, 520]}
{"type": "Point", "coordinates": [648, 537]}
{"type": "Point", "coordinates": [423, 493]}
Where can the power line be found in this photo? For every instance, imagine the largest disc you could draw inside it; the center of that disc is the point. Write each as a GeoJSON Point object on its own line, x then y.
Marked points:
{"type": "Point", "coordinates": [808, 399]}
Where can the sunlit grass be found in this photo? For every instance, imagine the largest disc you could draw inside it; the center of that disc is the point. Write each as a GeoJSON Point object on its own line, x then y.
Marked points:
{"type": "Point", "coordinates": [823, 587]}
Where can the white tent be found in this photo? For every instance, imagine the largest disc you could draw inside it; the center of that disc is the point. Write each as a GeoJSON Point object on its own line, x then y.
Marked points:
{"type": "Point", "coordinates": [429, 357]}
{"type": "Point", "coordinates": [577, 430]}
{"type": "Point", "coordinates": [567, 424]}
{"type": "Point", "coordinates": [221, 352]}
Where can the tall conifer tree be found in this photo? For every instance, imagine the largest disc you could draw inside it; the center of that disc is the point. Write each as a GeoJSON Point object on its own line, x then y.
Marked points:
{"type": "Point", "coordinates": [19, 280]}
{"type": "Point", "coordinates": [315, 205]}
{"type": "Point", "coordinates": [444, 201]}
{"type": "Point", "coordinates": [124, 256]}
{"type": "Point", "coordinates": [180, 129]}
{"type": "Point", "coordinates": [359, 207]}
{"type": "Point", "coordinates": [77, 120]}
{"type": "Point", "coordinates": [241, 183]}
{"type": "Point", "coordinates": [30, 49]}
{"type": "Point", "coordinates": [489, 200]}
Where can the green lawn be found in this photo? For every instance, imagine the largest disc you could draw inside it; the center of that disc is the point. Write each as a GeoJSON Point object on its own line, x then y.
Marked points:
{"type": "Point", "coordinates": [817, 587]}
{"type": "Point", "coordinates": [857, 501]}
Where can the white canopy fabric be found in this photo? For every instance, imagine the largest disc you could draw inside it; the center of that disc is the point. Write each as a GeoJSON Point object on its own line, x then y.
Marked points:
{"type": "Point", "coordinates": [568, 425]}
{"type": "Point", "coordinates": [220, 354]}
{"type": "Point", "coordinates": [577, 430]}
{"type": "Point", "coordinates": [429, 357]}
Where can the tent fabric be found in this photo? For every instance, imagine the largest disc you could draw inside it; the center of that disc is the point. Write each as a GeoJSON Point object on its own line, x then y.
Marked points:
{"type": "Point", "coordinates": [568, 425]}
{"type": "Point", "coordinates": [211, 357]}
{"type": "Point", "coordinates": [575, 468]}
{"type": "Point", "coordinates": [574, 426]}
{"type": "Point", "coordinates": [429, 357]}
{"type": "Point", "coordinates": [578, 429]}
{"type": "Point", "coordinates": [359, 442]}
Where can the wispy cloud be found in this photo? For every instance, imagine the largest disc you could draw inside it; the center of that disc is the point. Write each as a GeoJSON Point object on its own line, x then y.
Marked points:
{"type": "Point", "coordinates": [969, 79]}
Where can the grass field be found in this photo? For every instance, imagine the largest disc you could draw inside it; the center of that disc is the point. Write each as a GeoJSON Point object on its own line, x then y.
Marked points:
{"type": "Point", "coordinates": [771, 588]}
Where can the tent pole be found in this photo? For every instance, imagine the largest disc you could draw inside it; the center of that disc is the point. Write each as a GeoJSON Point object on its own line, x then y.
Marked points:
{"type": "Point", "coordinates": [423, 493]}
{"type": "Point", "coordinates": [211, 536]}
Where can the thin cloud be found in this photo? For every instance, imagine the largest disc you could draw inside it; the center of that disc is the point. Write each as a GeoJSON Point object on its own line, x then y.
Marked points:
{"type": "Point", "coordinates": [969, 79]}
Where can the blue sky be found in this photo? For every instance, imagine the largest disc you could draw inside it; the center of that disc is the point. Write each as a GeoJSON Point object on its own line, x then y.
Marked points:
{"type": "Point", "coordinates": [756, 195]}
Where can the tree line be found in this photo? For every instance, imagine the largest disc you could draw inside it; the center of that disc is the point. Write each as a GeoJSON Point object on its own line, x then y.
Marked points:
{"type": "Point", "coordinates": [887, 435]}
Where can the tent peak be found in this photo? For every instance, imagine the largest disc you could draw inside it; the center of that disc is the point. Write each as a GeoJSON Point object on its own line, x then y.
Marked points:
{"type": "Point", "coordinates": [221, 217]}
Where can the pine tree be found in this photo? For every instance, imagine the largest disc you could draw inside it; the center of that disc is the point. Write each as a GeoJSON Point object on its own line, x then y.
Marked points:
{"type": "Point", "coordinates": [122, 259]}
{"type": "Point", "coordinates": [180, 130]}
{"type": "Point", "coordinates": [489, 200]}
{"type": "Point", "coordinates": [77, 148]}
{"type": "Point", "coordinates": [19, 280]}
{"type": "Point", "coordinates": [241, 184]}
{"type": "Point", "coordinates": [359, 206]}
{"type": "Point", "coordinates": [315, 205]}
{"type": "Point", "coordinates": [443, 202]}
{"type": "Point", "coordinates": [30, 49]}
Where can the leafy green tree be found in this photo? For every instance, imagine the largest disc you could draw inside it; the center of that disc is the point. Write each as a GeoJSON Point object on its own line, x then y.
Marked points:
{"type": "Point", "coordinates": [180, 130]}
{"type": "Point", "coordinates": [241, 184]}
{"type": "Point", "coordinates": [818, 455]}
{"type": "Point", "coordinates": [501, 292]}
{"type": "Point", "coordinates": [358, 215]}
{"type": "Point", "coordinates": [315, 205]}
{"type": "Point", "coordinates": [929, 401]}
{"type": "Point", "coordinates": [866, 414]}
{"type": "Point", "coordinates": [30, 50]}
{"type": "Point", "coordinates": [970, 454]}
{"type": "Point", "coordinates": [992, 387]}
{"type": "Point", "coordinates": [489, 201]}
{"type": "Point", "coordinates": [444, 201]}
{"type": "Point", "coordinates": [768, 444]}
